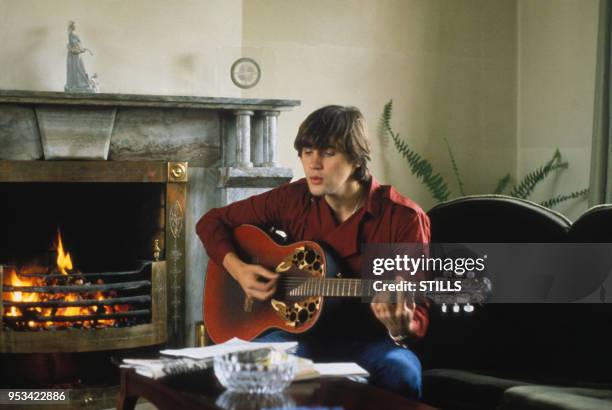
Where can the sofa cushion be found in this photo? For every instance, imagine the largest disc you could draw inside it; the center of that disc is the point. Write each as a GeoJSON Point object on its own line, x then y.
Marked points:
{"type": "Point", "coordinates": [547, 397]}
{"type": "Point", "coordinates": [557, 340]}
{"type": "Point", "coordinates": [496, 219]}
{"type": "Point", "coordinates": [458, 389]}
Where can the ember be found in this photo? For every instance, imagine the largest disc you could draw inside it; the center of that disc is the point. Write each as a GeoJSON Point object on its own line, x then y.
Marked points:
{"type": "Point", "coordinates": [36, 297]}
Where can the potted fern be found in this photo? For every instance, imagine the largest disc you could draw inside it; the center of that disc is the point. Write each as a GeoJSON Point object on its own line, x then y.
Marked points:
{"type": "Point", "coordinates": [438, 186]}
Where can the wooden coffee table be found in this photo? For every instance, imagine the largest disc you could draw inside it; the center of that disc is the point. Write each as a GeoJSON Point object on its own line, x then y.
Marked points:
{"type": "Point", "coordinates": [202, 391]}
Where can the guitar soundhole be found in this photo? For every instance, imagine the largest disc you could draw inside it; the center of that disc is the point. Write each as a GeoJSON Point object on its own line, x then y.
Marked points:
{"type": "Point", "coordinates": [308, 260]}
{"type": "Point", "coordinates": [303, 315]}
{"type": "Point", "coordinates": [310, 257]}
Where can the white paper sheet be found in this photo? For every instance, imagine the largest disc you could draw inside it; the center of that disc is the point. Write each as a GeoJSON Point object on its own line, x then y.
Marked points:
{"type": "Point", "coordinates": [232, 345]}
{"type": "Point", "coordinates": [340, 369]}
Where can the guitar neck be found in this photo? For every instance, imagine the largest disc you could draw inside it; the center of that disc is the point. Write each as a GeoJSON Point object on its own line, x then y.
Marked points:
{"type": "Point", "coordinates": [334, 287]}
{"type": "Point", "coordinates": [340, 287]}
{"type": "Point", "coordinates": [347, 288]}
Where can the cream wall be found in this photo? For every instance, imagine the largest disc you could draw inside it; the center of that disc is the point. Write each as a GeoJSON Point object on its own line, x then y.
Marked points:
{"type": "Point", "coordinates": [505, 81]}
{"type": "Point", "coordinates": [557, 58]}
{"type": "Point", "coordinates": [140, 46]}
{"type": "Point", "coordinates": [449, 66]}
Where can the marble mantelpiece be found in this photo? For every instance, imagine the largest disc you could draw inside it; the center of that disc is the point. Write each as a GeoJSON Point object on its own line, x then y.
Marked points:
{"type": "Point", "coordinates": [229, 143]}
{"type": "Point", "coordinates": [179, 128]}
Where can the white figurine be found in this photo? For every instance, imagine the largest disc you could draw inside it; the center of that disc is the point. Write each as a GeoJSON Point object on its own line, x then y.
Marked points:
{"type": "Point", "coordinates": [77, 79]}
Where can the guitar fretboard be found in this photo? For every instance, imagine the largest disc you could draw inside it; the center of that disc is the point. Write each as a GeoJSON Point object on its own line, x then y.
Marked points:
{"type": "Point", "coordinates": [334, 287]}
{"type": "Point", "coordinates": [341, 287]}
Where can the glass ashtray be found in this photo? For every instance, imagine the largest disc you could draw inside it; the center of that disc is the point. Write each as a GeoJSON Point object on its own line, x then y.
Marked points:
{"type": "Point", "coordinates": [255, 371]}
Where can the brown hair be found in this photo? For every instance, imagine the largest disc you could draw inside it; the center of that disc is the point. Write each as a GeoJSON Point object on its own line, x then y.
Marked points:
{"type": "Point", "coordinates": [343, 128]}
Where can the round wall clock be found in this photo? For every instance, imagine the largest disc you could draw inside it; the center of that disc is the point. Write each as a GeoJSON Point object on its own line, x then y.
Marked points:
{"type": "Point", "coordinates": [245, 72]}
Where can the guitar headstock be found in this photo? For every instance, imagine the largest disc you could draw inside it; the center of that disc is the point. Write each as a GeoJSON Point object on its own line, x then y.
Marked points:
{"type": "Point", "coordinates": [473, 291]}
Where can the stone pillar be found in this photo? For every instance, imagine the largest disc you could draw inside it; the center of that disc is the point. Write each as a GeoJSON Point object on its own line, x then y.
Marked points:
{"type": "Point", "coordinates": [257, 142]}
{"type": "Point", "coordinates": [243, 138]}
{"type": "Point", "coordinates": [223, 135]}
{"type": "Point", "coordinates": [270, 137]}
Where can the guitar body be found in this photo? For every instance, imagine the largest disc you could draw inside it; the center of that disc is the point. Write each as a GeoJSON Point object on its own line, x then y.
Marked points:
{"type": "Point", "coordinates": [227, 311]}
{"type": "Point", "coordinates": [307, 275]}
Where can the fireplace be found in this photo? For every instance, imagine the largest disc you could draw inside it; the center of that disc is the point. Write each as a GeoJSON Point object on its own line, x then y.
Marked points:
{"type": "Point", "coordinates": [116, 204]}
{"type": "Point", "coordinates": [86, 254]}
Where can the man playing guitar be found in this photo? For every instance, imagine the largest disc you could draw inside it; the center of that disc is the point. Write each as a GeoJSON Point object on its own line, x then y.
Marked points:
{"type": "Point", "coordinates": [338, 204]}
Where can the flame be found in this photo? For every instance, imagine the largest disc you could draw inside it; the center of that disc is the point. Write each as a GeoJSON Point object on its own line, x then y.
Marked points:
{"type": "Point", "coordinates": [64, 262]}
{"type": "Point", "coordinates": [14, 279]}
{"type": "Point", "coordinates": [22, 278]}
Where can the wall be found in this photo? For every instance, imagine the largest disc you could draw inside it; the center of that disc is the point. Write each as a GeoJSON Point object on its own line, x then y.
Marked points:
{"type": "Point", "coordinates": [504, 81]}
{"type": "Point", "coordinates": [557, 55]}
{"type": "Point", "coordinates": [450, 68]}
{"type": "Point", "coordinates": [140, 46]}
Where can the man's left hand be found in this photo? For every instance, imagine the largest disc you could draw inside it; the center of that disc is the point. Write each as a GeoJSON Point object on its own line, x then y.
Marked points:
{"type": "Point", "coordinates": [397, 317]}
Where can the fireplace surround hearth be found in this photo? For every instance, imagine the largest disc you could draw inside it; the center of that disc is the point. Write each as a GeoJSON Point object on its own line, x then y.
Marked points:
{"type": "Point", "coordinates": [120, 222]}
{"type": "Point", "coordinates": [123, 225]}
{"type": "Point", "coordinates": [120, 207]}
{"type": "Point", "coordinates": [113, 216]}
{"type": "Point", "coordinates": [229, 143]}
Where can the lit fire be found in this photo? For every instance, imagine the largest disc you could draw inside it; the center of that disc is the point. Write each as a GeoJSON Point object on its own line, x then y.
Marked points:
{"type": "Point", "coordinates": [26, 277]}
{"type": "Point", "coordinates": [64, 263]}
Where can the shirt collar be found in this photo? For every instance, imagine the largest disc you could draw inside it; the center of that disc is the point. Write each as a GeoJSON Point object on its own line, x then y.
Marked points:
{"type": "Point", "coordinates": [373, 201]}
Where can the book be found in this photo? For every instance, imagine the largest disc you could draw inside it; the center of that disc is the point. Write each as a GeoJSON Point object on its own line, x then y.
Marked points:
{"type": "Point", "coordinates": [163, 367]}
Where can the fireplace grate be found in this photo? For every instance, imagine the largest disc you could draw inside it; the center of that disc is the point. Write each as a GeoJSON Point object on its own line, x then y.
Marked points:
{"type": "Point", "coordinates": [105, 299]}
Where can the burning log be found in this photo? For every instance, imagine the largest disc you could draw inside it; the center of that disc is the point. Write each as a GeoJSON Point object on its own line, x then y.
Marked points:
{"type": "Point", "coordinates": [144, 299]}
{"type": "Point", "coordinates": [138, 271]}
{"type": "Point", "coordinates": [82, 318]}
{"type": "Point", "coordinates": [79, 288]}
{"type": "Point", "coordinates": [64, 297]}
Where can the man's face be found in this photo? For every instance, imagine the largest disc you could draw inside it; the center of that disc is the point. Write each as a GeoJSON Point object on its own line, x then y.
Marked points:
{"type": "Point", "coordinates": [327, 170]}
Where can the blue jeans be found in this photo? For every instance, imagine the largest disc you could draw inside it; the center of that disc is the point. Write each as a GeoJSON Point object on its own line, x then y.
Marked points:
{"type": "Point", "coordinates": [391, 367]}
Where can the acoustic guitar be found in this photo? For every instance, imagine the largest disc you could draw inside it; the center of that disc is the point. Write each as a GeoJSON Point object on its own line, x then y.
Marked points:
{"type": "Point", "coordinates": [308, 275]}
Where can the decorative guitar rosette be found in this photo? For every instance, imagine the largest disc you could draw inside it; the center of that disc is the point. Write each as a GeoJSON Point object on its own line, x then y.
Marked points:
{"type": "Point", "coordinates": [310, 263]}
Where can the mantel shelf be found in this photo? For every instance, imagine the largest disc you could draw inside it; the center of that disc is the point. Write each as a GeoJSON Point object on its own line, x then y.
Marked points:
{"type": "Point", "coordinates": [136, 100]}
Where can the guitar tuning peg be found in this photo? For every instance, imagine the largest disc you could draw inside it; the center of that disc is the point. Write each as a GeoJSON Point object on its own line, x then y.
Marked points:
{"type": "Point", "coordinates": [468, 308]}
{"type": "Point", "coordinates": [456, 308]}
{"type": "Point", "coordinates": [444, 308]}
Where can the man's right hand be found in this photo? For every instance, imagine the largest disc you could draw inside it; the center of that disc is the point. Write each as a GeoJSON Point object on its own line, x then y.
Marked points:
{"type": "Point", "coordinates": [257, 282]}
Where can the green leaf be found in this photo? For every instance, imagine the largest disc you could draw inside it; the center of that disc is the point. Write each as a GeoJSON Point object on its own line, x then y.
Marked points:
{"type": "Point", "coordinates": [419, 166]}
{"type": "Point", "coordinates": [502, 184]}
{"type": "Point", "coordinates": [529, 182]}
{"type": "Point", "coordinates": [455, 167]}
{"type": "Point", "coordinates": [556, 200]}
{"type": "Point", "coordinates": [384, 124]}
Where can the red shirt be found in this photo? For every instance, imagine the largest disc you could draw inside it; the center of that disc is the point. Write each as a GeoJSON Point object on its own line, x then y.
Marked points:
{"type": "Point", "coordinates": [386, 217]}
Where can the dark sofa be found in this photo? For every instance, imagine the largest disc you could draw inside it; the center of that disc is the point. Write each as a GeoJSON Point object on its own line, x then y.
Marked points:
{"type": "Point", "coordinates": [521, 356]}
